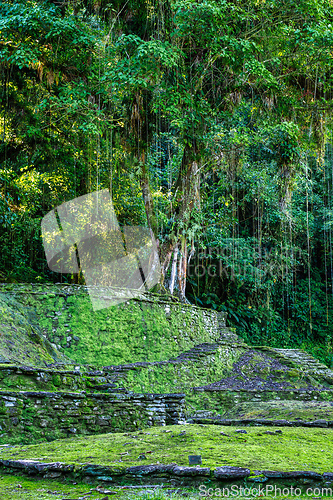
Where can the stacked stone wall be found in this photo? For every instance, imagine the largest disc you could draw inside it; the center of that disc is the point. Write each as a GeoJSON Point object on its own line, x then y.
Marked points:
{"type": "Point", "coordinates": [34, 416]}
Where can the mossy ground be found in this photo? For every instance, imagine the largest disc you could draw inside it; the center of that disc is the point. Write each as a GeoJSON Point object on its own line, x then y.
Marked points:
{"type": "Point", "coordinates": [288, 410]}
{"type": "Point", "coordinates": [23, 488]}
{"type": "Point", "coordinates": [223, 404]}
{"type": "Point", "coordinates": [292, 449]}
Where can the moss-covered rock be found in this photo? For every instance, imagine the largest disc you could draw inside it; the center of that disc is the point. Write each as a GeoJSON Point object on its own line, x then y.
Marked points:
{"type": "Point", "coordinates": [150, 329]}
{"type": "Point", "coordinates": [21, 340]}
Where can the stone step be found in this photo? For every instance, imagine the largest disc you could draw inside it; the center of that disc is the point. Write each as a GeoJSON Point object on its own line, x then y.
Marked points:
{"type": "Point", "coordinates": [198, 352]}
{"type": "Point", "coordinates": [227, 334]}
{"type": "Point", "coordinates": [114, 391]}
{"type": "Point", "coordinates": [294, 357]}
{"type": "Point", "coordinates": [102, 387]}
{"type": "Point", "coordinates": [305, 361]}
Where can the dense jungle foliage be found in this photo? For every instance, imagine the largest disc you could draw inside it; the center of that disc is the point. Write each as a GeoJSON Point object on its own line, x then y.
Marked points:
{"type": "Point", "coordinates": [209, 122]}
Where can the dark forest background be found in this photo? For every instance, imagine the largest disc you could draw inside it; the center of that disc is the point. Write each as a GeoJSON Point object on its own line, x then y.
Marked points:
{"type": "Point", "coordinates": [209, 122]}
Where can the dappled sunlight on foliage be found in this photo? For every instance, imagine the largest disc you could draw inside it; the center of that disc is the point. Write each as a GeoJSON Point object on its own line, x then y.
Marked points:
{"type": "Point", "coordinates": [210, 123]}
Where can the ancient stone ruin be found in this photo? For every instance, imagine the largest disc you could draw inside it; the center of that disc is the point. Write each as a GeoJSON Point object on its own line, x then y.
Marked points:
{"type": "Point", "coordinates": [66, 370]}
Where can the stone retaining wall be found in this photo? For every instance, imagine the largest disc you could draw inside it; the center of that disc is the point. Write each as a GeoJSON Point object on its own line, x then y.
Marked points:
{"type": "Point", "coordinates": [215, 399]}
{"type": "Point", "coordinates": [150, 327]}
{"type": "Point", "coordinates": [14, 377]}
{"type": "Point", "coordinates": [27, 417]}
{"type": "Point", "coordinates": [171, 474]}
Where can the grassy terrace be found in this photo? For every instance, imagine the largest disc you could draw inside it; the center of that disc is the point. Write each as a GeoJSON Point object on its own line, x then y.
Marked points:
{"type": "Point", "coordinates": [21, 488]}
{"type": "Point", "coordinates": [288, 449]}
{"type": "Point", "coordinates": [284, 409]}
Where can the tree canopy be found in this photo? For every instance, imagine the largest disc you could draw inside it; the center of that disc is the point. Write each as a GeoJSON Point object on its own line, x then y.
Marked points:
{"type": "Point", "coordinates": [208, 121]}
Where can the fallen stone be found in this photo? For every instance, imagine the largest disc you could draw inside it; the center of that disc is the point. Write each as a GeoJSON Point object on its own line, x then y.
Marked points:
{"type": "Point", "coordinates": [102, 490]}
{"type": "Point", "coordinates": [180, 470]}
{"type": "Point", "coordinates": [150, 469]}
{"type": "Point", "coordinates": [98, 470]}
{"type": "Point", "coordinates": [292, 474]}
{"type": "Point", "coordinates": [317, 423]}
{"type": "Point", "coordinates": [227, 472]}
{"type": "Point", "coordinates": [284, 423]}
{"type": "Point", "coordinates": [299, 423]}
{"type": "Point", "coordinates": [52, 475]}
{"type": "Point", "coordinates": [34, 466]}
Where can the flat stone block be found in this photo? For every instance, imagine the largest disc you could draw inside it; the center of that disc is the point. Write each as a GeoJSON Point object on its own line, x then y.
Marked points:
{"type": "Point", "coordinates": [228, 472]}
{"type": "Point", "coordinates": [191, 471]}
{"type": "Point", "coordinates": [317, 423]}
{"type": "Point", "coordinates": [150, 469]}
{"type": "Point", "coordinates": [292, 474]}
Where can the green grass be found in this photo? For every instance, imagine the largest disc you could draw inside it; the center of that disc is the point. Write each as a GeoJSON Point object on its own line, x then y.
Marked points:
{"type": "Point", "coordinates": [23, 488]}
{"type": "Point", "coordinates": [293, 449]}
{"type": "Point", "coordinates": [284, 409]}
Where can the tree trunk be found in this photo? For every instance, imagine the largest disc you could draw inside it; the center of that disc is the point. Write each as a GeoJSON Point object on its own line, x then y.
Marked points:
{"type": "Point", "coordinates": [173, 270]}
{"type": "Point", "coordinates": [182, 269]}
{"type": "Point", "coordinates": [189, 196]}
{"type": "Point", "coordinates": [188, 189]}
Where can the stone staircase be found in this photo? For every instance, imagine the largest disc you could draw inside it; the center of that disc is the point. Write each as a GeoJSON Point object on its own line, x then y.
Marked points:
{"type": "Point", "coordinates": [228, 336]}
{"type": "Point", "coordinates": [197, 352]}
{"type": "Point", "coordinates": [108, 379]}
{"type": "Point", "coordinates": [303, 361]}
{"type": "Point", "coordinates": [314, 375]}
